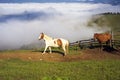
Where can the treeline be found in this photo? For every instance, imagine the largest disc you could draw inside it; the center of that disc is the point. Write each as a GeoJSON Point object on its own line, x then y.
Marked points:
{"type": "Point", "coordinates": [109, 19]}
{"type": "Point", "coordinates": [112, 13]}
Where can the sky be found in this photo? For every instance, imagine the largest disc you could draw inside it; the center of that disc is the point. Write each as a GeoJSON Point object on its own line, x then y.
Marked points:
{"type": "Point", "coordinates": [113, 2]}
{"type": "Point", "coordinates": [21, 23]}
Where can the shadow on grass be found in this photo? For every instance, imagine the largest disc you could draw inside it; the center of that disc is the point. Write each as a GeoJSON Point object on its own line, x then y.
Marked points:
{"type": "Point", "coordinates": [53, 51]}
{"type": "Point", "coordinates": [108, 49]}
{"type": "Point", "coordinates": [111, 50]}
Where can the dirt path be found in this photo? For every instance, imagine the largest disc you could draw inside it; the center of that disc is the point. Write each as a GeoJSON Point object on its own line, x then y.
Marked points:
{"type": "Point", "coordinates": [89, 54]}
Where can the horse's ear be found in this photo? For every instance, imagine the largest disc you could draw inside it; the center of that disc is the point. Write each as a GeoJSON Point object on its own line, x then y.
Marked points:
{"type": "Point", "coordinates": [95, 33]}
{"type": "Point", "coordinates": [42, 33]}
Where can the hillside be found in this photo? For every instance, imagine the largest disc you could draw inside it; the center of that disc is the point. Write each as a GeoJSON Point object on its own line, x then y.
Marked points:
{"type": "Point", "coordinates": [107, 19]}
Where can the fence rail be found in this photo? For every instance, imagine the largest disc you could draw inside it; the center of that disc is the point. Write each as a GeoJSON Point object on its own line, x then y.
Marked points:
{"type": "Point", "coordinates": [91, 43]}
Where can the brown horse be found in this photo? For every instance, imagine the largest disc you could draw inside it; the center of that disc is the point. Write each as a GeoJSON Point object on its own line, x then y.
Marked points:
{"type": "Point", "coordinates": [103, 37]}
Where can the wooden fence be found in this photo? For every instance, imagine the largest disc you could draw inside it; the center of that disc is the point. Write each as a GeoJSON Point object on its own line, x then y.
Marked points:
{"type": "Point", "coordinates": [90, 43]}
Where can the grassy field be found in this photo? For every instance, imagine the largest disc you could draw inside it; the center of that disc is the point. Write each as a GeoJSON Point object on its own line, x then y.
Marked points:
{"type": "Point", "coordinates": [17, 69]}
{"type": "Point", "coordinates": [37, 70]}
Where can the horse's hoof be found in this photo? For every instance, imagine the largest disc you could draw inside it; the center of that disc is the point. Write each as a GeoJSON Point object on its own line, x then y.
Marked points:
{"type": "Point", "coordinates": [43, 53]}
{"type": "Point", "coordinates": [64, 54]}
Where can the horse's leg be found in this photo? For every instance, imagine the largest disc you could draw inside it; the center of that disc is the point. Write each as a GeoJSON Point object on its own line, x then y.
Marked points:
{"type": "Point", "coordinates": [50, 49]}
{"type": "Point", "coordinates": [45, 49]}
{"type": "Point", "coordinates": [107, 44]}
{"type": "Point", "coordinates": [101, 46]}
{"type": "Point", "coordinates": [110, 42]}
{"type": "Point", "coordinates": [64, 49]}
{"type": "Point", "coordinates": [67, 47]}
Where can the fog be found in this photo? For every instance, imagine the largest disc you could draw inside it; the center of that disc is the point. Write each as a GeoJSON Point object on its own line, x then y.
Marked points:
{"type": "Point", "coordinates": [21, 24]}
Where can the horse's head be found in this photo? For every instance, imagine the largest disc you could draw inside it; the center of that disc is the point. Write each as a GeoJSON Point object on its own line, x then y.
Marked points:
{"type": "Point", "coordinates": [41, 36]}
{"type": "Point", "coordinates": [95, 36]}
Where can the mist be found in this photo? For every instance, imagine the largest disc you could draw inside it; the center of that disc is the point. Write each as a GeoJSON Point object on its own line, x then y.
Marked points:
{"type": "Point", "coordinates": [21, 24]}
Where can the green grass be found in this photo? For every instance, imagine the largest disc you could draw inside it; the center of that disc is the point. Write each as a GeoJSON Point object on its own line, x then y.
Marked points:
{"type": "Point", "coordinates": [109, 20]}
{"type": "Point", "coordinates": [15, 69]}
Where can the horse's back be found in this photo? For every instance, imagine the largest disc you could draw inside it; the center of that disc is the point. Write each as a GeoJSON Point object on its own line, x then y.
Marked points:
{"type": "Point", "coordinates": [64, 41]}
{"type": "Point", "coordinates": [109, 36]}
{"type": "Point", "coordinates": [60, 42]}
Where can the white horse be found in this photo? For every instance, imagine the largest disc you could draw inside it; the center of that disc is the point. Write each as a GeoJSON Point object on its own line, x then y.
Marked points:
{"type": "Point", "coordinates": [58, 42]}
